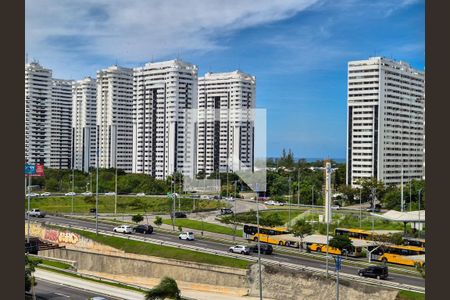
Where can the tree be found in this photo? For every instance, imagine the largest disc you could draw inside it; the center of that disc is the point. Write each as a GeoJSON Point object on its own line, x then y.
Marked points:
{"type": "Point", "coordinates": [139, 204]}
{"type": "Point", "coordinates": [300, 229]}
{"type": "Point", "coordinates": [166, 289]}
{"type": "Point", "coordinates": [137, 218]}
{"type": "Point", "coordinates": [341, 242]}
{"type": "Point", "coordinates": [30, 266]}
{"type": "Point", "coordinates": [271, 220]}
{"type": "Point", "coordinates": [158, 221]}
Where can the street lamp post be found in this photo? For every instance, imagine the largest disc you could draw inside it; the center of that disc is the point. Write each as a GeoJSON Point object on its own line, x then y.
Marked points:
{"type": "Point", "coordinates": [298, 188]}
{"type": "Point", "coordinates": [29, 208]}
{"type": "Point", "coordinates": [259, 245]}
{"type": "Point", "coordinates": [96, 185]}
{"type": "Point", "coordinates": [360, 208]}
{"type": "Point", "coordinates": [73, 185]}
{"type": "Point", "coordinates": [290, 200]}
{"type": "Point", "coordinates": [115, 162]}
{"type": "Point", "coordinates": [420, 223]}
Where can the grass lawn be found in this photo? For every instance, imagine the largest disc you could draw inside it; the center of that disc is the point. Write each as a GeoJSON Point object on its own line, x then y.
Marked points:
{"type": "Point", "coordinates": [82, 204]}
{"type": "Point", "coordinates": [284, 214]}
{"type": "Point", "coordinates": [143, 248]}
{"type": "Point", "coordinates": [51, 263]}
{"type": "Point", "coordinates": [197, 225]}
{"type": "Point", "coordinates": [407, 295]}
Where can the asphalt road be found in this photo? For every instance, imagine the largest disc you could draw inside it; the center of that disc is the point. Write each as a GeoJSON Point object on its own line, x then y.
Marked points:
{"type": "Point", "coordinates": [214, 245]}
{"type": "Point", "coordinates": [55, 291]}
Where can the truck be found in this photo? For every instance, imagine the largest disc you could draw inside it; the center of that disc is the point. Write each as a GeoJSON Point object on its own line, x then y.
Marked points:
{"type": "Point", "coordinates": [35, 212]}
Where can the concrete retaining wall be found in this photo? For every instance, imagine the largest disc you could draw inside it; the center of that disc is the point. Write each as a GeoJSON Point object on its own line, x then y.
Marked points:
{"type": "Point", "coordinates": [290, 284]}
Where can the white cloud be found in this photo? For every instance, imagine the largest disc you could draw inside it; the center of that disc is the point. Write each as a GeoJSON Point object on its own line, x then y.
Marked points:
{"type": "Point", "coordinates": [58, 32]}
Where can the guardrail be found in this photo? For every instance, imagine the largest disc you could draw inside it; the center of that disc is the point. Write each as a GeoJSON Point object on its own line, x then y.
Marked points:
{"type": "Point", "coordinates": [364, 280]}
{"type": "Point", "coordinates": [66, 261]}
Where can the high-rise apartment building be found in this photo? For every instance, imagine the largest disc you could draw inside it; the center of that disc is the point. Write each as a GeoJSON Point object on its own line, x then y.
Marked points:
{"type": "Point", "coordinates": [59, 154]}
{"type": "Point", "coordinates": [386, 121]}
{"type": "Point", "coordinates": [115, 117]}
{"type": "Point", "coordinates": [164, 94]}
{"type": "Point", "coordinates": [38, 83]}
{"type": "Point", "coordinates": [48, 114]}
{"type": "Point", "coordinates": [225, 122]}
{"type": "Point", "coordinates": [84, 121]}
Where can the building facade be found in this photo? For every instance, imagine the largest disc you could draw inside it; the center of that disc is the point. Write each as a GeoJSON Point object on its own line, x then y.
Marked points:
{"type": "Point", "coordinates": [225, 135]}
{"type": "Point", "coordinates": [38, 83]}
{"type": "Point", "coordinates": [48, 117]}
{"type": "Point", "coordinates": [164, 94]}
{"type": "Point", "coordinates": [115, 117]}
{"type": "Point", "coordinates": [385, 121]}
{"type": "Point", "coordinates": [59, 153]}
{"type": "Point", "coordinates": [84, 121]}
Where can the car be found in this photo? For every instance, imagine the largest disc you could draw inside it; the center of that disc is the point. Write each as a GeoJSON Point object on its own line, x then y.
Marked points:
{"type": "Point", "coordinates": [378, 272]}
{"type": "Point", "coordinates": [189, 236]}
{"type": "Point", "coordinates": [271, 202]}
{"type": "Point", "coordinates": [147, 229]}
{"type": "Point", "coordinates": [97, 298]}
{"type": "Point", "coordinates": [239, 249]}
{"type": "Point", "coordinates": [264, 248]}
{"type": "Point", "coordinates": [70, 194]}
{"type": "Point", "coordinates": [226, 211]}
{"type": "Point", "coordinates": [140, 194]}
{"type": "Point", "coordinates": [36, 212]}
{"type": "Point", "coordinates": [92, 210]}
{"type": "Point", "coordinates": [110, 194]}
{"type": "Point", "coordinates": [32, 195]}
{"type": "Point", "coordinates": [205, 197]}
{"type": "Point", "coordinates": [377, 208]}
{"type": "Point", "coordinates": [88, 194]}
{"type": "Point", "coordinates": [229, 198]}
{"type": "Point", "coordinates": [336, 207]}
{"type": "Point", "coordinates": [179, 214]}
{"type": "Point", "coordinates": [123, 229]}
{"type": "Point", "coordinates": [45, 194]}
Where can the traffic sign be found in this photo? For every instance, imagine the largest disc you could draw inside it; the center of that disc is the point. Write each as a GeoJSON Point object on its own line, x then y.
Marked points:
{"type": "Point", "coordinates": [30, 169]}
{"type": "Point", "coordinates": [338, 262]}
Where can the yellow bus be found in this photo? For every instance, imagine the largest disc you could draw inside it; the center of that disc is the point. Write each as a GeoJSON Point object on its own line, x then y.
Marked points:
{"type": "Point", "coordinates": [318, 243]}
{"type": "Point", "coordinates": [368, 234]}
{"type": "Point", "coordinates": [399, 254]}
{"type": "Point", "coordinates": [271, 235]}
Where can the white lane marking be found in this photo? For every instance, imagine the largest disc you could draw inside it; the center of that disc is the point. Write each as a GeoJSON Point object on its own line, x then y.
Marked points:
{"type": "Point", "coordinates": [59, 294]}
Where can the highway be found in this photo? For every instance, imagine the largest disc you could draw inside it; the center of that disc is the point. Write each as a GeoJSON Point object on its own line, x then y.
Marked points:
{"type": "Point", "coordinates": [47, 290]}
{"type": "Point", "coordinates": [223, 246]}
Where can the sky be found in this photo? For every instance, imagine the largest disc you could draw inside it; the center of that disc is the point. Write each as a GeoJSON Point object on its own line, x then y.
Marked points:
{"type": "Point", "coordinates": [297, 49]}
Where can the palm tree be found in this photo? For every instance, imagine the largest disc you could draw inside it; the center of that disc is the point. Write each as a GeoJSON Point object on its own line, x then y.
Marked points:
{"type": "Point", "coordinates": [166, 289]}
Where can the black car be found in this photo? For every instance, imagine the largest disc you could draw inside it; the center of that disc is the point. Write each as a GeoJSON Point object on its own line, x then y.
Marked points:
{"type": "Point", "coordinates": [378, 272]}
{"type": "Point", "coordinates": [265, 248]}
{"type": "Point", "coordinates": [92, 210]}
{"type": "Point", "coordinates": [225, 211]}
{"type": "Point", "coordinates": [377, 208]}
{"type": "Point", "coordinates": [179, 214]}
{"type": "Point", "coordinates": [143, 229]}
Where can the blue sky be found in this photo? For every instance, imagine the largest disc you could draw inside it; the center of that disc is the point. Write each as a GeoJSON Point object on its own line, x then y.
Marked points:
{"type": "Point", "coordinates": [297, 49]}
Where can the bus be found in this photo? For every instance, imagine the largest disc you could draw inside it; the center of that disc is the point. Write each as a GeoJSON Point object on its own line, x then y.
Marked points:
{"type": "Point", "coordinates": [368, 234]}
{"type": "Point", "coordinates": [363, 234]}
{"type": "Point", "coordinates": [271, 235]}
{"type": "Point", "coordinates": [318, 243]}
{"type": "Point", "coordinates": [400, 254]}
{"type": "Point", "coordinates": [414, 242]}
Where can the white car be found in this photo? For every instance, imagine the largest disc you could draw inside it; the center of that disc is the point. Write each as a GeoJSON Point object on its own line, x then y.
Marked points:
{"type": "Point", "coordinates": [32, 195]}
{"type": "Point", "coordinates": [140, 194]}
{"type": "Point", "coordinates": [229, 198]}
{"type": "Point", "coordinates": [239, 249]}
{"type": "Point", "coordinates": [87, 194]}
{"type": "Point", "coordinates": [336, 207]}
{"type": "Point", "coordinates": [46, 194]}
{"type": "Point", "coordinates": [110, 194]}
{"type": "Point", "coordinates": [70, 194]}
{"type": "Point", "coordinates": [123, 229]}
{"type": "Point", "coordinates": [276, 203]}
{"type": "Point", "coordinates": [189, 236]}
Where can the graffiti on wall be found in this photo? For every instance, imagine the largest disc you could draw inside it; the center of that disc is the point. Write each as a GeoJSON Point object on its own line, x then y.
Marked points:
{"type": "Point", "coordinates": [53, 235]}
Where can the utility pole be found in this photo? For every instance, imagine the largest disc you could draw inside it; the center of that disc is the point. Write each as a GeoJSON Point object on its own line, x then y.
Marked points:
{"type": "Point", "coordinates": [373, 207]}
{"type": "Point", "coordinates": [96, 186]}
{"type": "Point", "coordinates": [360, 208]}
{"type": "Point", "coordinates": [410, 199]}
{"type": "Point", "coordinates": [29, 207]}
{"type": "Point", "coordinates": [73, 184]}
{"type": "Point", "coordinates": [328, 217]}
{"type": "Point", "coordinates": [115, 162]}
{"type": "Point", "coordinates": [298, 187]}
{"type": "Point", "coordinates": [259, 244]}
{"type": "Point", "coordinates": [402, 203]}
{"type": "Point", "coordinates": [235, 210]}
{"type": "Point", "coordinates": [290, 200]}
